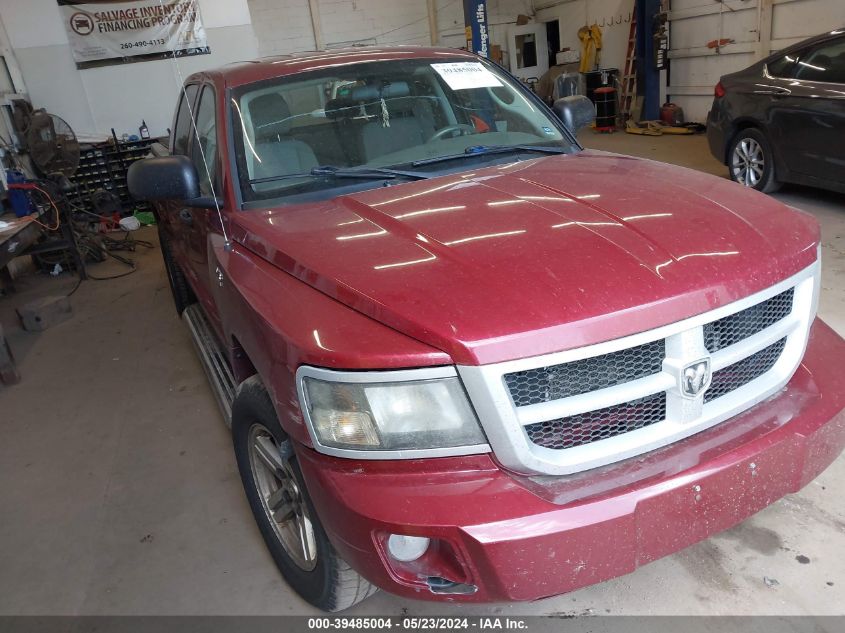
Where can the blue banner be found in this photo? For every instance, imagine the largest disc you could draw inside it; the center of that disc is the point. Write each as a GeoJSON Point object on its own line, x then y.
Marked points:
{"type": "Point", "coordinates": [477, 33]}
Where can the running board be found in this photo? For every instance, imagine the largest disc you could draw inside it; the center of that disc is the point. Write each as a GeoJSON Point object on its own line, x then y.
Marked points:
{"type": "Point", "coordinates": [213, 358]}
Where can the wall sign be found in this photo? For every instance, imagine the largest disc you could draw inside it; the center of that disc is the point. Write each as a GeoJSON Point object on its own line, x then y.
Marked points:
{"type": "Point", "coordinates": [130, 31]}
{"type": "Point", "coordinates": [477, 33]}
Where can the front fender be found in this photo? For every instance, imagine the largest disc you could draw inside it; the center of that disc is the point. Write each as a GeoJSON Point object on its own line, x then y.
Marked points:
{"type": "Point", "coordinates": [281, 323]}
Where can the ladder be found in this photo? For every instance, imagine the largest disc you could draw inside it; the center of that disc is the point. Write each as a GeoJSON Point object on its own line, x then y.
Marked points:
{"type": "Point", "coordinates": [629, 76]}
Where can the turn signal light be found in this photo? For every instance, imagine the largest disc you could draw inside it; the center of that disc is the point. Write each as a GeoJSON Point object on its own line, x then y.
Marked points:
{"type": "Point", "coordinates": [720, 90]}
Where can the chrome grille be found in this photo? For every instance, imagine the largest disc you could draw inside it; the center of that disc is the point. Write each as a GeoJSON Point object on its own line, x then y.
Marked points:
{"type": "Point", "coordinates": [736, 327]}
{"type": "Point", "coordinates": [602, 424]}
{"type": "Point", "coordinates": [740, 374]}
{"type": "Point", "coordinates": [570, 411]}
{"type": "Point", "coordinates": [590, 374]}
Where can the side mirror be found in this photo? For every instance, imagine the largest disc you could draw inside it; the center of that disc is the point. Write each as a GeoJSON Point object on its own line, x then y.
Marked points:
{"type": "Point", "coordinates": [576, 112]}
{"type": "Point", "coordinates": [163, 178]}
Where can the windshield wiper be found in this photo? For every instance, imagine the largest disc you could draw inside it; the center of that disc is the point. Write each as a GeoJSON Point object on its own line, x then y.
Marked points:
{"type": "Point", "coordinates": [486, 150]}
{"type": "Point", "coordinates": [331, 171]}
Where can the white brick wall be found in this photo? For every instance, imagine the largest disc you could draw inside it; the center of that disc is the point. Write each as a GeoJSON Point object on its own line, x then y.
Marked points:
{"type": "Point", "coordinates": [374, 21]}
{"type": "Point", "coordinates": [282, 26]}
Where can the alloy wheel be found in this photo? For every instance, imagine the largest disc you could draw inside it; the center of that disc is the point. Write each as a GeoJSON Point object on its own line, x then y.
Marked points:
{"type": "Point", "coordinates": [281, 498]}
{"type": "Point", "coordinates": [748, 162]}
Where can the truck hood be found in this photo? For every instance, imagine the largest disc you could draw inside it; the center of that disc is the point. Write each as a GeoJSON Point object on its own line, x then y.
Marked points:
{"type": "Point", "coordinates": [537, 256]}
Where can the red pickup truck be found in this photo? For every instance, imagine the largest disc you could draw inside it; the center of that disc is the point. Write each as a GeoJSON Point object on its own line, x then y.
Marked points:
{"type": "Point", "coordinates": [462, 357]}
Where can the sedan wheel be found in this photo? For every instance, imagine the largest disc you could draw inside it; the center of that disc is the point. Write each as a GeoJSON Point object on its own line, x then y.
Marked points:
{"type": "Point", "coordinates": [751, 162]}
{"type": "Point", "coordinates": [748, 163]}
{"type": "Point", "coordinates": [282, 498]}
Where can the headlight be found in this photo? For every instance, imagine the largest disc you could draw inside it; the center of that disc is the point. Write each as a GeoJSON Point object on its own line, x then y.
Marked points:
{"type": "Point", "coordinates": [390, 415]}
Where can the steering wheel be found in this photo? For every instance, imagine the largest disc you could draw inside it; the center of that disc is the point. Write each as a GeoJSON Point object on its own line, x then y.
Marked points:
{"type": "Point", "coordinates": [450, 130]}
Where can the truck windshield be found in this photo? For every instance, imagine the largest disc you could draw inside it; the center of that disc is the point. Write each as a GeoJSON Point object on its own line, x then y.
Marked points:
{"type": "Point", "coordinates": [293, 133]}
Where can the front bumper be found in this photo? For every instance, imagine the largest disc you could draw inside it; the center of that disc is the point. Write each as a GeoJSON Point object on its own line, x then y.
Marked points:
{"type": "Point", "coordinates": [524, 538]}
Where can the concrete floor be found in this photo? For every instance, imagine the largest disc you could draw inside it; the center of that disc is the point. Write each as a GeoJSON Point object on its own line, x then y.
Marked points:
{"type": "Point", "coordinates": [119, 492]}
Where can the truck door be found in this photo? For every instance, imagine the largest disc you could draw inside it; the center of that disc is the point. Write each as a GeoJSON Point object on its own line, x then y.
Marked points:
{"type": "Point", "coordinates": [199, 222]}
{"type": "Point", "coordinates": [180, 140]}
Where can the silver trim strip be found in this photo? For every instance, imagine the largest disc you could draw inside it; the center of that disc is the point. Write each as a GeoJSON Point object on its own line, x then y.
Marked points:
{"type": "Point", "coordinates": [359, 377]}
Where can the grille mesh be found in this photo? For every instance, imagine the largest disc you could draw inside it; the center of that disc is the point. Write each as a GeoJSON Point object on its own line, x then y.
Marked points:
{"type": "Point", "coordinates": [601, 424]}
{"type": "Point", "coordinates": [582, 376]}
{"type": "Point", "coordinates": [737, 327]}
{"type": "Point", "coordinates": [742, 372]}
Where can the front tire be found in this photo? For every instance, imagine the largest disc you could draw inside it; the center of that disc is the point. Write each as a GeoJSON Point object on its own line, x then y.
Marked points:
{"type": "Point", "coordinates": [283, 509]}
{"type": "Point", "coordinates": [751, 161]}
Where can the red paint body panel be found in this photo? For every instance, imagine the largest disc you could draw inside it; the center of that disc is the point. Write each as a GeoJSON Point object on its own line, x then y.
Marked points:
{"type": "Point", "coordinates": [501, 263]}
{"type": "Point", "coordinates": [526, 539]}
{"type": "Point", "coordinates": [539, 256]}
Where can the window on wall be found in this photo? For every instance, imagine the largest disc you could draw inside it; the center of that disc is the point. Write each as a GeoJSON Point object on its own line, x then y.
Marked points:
{"type": "Point", "coordinates": [182, 130]}
{"type": "Point", "coordinates": [204, 149]}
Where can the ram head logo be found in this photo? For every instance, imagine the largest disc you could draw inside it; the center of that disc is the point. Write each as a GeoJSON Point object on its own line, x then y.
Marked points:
{"type": "Point", "coordinates": [695, 378]}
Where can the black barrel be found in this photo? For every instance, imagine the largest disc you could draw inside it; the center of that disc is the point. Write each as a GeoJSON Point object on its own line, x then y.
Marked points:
{"type": "Point", "coordinates": [605, 99]}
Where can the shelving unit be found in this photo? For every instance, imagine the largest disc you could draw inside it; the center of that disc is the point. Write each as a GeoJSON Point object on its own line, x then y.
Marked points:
{"type": "Point", "coordinates": [104, 166]}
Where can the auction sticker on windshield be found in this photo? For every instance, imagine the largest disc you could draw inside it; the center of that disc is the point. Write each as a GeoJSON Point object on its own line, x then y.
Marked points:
{"type": "Point", "coordinates": [466, 75]}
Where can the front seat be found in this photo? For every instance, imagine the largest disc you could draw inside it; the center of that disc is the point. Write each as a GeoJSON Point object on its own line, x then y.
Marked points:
{"type": "Point", "coordinates": [277, 154]}
{"type": "Point", "coordinates": [404, 129]}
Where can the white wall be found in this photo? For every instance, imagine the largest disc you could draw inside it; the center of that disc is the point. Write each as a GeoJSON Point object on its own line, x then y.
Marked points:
{"type": "Point", "coordinates": [577, 13]}
{"type": "Point", "coordinates": [695, 69]}
{"type": "Point", "coordinates": [501, 14]}
{"type": "Point", "coordinates": [97, 99]}
{"type": "Point", "coordinates": [285, 26]}
{"type": "Point", "coordinates": [282, 26]}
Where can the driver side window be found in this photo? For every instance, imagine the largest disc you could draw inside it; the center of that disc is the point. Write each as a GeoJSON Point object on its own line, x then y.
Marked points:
{"type": "Point", "coordinates": [182, 129]}
{"type": "Point", "coordinates": [204, 148]}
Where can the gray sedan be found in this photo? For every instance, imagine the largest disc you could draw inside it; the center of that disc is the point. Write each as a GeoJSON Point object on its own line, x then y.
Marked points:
{"type": "Point", "coordinates": [783, 119]}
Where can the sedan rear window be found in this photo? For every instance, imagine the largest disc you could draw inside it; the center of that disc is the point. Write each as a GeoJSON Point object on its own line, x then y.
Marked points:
{"type": "Point", "coordinates": [824, 63]}
{"type": "Point", "coordinates": [783, 67]}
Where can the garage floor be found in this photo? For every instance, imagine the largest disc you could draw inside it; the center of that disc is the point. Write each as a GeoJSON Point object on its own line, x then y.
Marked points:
{"type": "Point", "coordinates": [119, 492]}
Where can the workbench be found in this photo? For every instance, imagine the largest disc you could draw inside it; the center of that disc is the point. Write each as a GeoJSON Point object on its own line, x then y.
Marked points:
{"type": "Point", "coordinates": [16, 236]}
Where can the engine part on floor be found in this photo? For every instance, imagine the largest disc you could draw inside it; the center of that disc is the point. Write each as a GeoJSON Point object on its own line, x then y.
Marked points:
{"type": "Point", "coordinates": [105, 203]}
{"type": "Point", "coordinates": [97, 247]}
{"type": "Point", "coordinates": [44, 313]}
